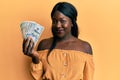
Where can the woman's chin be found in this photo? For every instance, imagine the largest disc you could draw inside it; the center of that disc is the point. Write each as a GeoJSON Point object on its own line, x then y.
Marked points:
{"type": "Point", "coordinates": [59, 36]}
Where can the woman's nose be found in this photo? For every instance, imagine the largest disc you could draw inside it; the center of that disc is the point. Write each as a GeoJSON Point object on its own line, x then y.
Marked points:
{"type": "Point", "coordinates": [58, 25]}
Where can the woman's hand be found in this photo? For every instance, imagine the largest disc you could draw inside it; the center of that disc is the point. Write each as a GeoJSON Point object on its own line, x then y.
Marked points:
{"type": "Point", "coordinates": [28, 49]}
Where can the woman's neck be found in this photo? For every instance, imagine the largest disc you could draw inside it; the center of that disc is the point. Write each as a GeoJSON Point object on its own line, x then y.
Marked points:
{"type": "Point", "coordinates": [64, 39]}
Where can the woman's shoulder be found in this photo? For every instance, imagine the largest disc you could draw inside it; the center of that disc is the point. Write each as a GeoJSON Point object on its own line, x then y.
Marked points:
{"type": "Point", "coordinates": [45, 44]}
{"type": "Point", "coordinates": [85, 46]}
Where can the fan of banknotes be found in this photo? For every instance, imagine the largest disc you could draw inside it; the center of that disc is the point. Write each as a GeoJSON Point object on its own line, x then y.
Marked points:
{"type": "Point", "coordinates": [31, 29]}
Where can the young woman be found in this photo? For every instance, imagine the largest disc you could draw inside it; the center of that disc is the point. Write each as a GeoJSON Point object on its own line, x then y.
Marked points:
{"type": "Point", "coordinates": [63, 56]}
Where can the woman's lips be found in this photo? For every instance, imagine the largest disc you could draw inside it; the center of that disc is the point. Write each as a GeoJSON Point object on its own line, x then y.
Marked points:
{"type": "Point", "coordinates": [59, 31]}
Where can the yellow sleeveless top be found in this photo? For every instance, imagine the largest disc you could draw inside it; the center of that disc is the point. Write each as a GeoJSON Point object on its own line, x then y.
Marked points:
{"type": "Point", "coordinates": [63, 65]}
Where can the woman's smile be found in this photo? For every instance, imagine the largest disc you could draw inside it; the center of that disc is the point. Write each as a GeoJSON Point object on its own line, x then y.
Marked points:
{"type": "Point", "coordinates": [60, 31]}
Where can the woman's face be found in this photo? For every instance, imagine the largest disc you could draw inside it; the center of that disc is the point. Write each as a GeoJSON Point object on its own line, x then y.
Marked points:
{"type": "Point", "coordinates": [61, 25]}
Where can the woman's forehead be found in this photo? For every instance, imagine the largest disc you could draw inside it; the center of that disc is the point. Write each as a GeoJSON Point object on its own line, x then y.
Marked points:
{"type": "Point", "coordinates": [59, 15]}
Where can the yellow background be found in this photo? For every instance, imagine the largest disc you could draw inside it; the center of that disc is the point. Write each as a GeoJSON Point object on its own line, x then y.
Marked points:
{"type": "Point", "coordinates": [98, 20]}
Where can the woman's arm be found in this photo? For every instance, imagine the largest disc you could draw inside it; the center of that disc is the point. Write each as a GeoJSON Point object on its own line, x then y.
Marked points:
{"type": "Point", "coordinates": [89, 63]}
{"type": "Point", "coordinates": [36, 65]}
{"type": "Point", "coordinates": [36, 70]}
{"type": "Point", "coordinates": [88, 72]}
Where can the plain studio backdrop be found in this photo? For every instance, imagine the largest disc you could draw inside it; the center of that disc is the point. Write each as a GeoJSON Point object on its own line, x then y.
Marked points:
{"type": "Point", "coordinates": [99, 24]}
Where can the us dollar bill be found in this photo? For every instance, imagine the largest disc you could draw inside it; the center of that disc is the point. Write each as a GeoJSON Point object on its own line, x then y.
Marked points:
{"type": "Point", "coordinates": [31, 29]}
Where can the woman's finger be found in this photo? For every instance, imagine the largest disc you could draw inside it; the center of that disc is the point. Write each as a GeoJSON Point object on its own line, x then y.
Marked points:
{"type": "Point", "coordinates": [26, 45]}
{"type": "Point", "coordinates": [29, 49]}
{"type": "Point", "coordinates": [23, 45]}
{"type": "Point", "coordinates": [32, 46]}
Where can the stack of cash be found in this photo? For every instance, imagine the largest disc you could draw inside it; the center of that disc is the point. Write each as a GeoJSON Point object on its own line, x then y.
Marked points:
{"type": "Point", "coordinates": [31, 29]}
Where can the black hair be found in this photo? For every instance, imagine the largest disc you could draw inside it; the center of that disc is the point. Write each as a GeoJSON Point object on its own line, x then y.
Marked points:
{"type": "Point", "coordinates": [70, 11]}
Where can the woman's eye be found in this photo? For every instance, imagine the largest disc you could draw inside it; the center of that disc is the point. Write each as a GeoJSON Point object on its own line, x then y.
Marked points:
{"type": "Point", "coordinates": [56, 21]}
{"type": "Point", "coordinates": [63, 21]}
